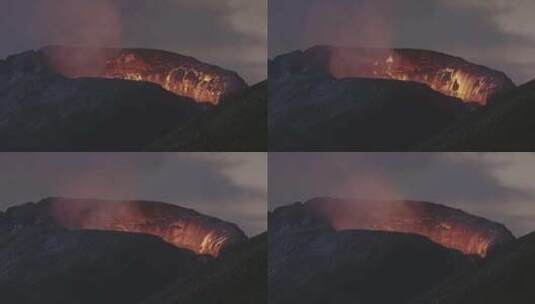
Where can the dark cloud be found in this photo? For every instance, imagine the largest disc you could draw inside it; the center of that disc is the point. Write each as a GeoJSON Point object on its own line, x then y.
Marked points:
{"type": "Point", "coordinates": [470, 183]}
{"type": "Point", "coordinates": [460, 27]}
{"type": "Point", "coordinates": [213, 31]}
{"type": "Point", "coordinates": [202, 182]}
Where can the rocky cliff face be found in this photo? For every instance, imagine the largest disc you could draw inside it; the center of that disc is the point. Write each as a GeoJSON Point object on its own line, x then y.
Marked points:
{"type": "Point", "coordinates": [179, 226]}
{"type": "Point", "coordinates": [181, 75]}
{"type": "Point", "coordinates": [446, 74]}
{"type": "Point", "coordinates": [448, 227]}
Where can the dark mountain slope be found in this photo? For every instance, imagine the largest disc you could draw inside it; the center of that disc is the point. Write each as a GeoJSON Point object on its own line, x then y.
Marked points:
{"type": "Point", "coordinates": [46, 265]}
{"type": "Point", "coordinates": [506, 124]}
{"type": "Point", "coordinates": [505, 277]}
{"type": "Point", "coordinates": [311, 262]}
{"type": "Point", "coordinates": [239, 123]}
{"type": "Point", "coordinates": [317, 112]}
{"type": "Point", "coordinates": [239, 276]}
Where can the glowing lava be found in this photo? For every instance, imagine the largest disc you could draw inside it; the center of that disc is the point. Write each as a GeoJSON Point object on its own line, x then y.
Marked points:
{"type": "Point", "coordinates": [446, 74]}
{"type": "Point", "coordinates": [449, 227]}
{"type": "Point", "coordinates": [184, 228]}
{"type": "Point", "coordinates": [181, 75]}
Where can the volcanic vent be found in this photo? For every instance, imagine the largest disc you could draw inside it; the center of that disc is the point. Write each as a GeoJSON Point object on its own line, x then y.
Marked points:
{"type": "Point", "coordinates": [184, 228]}
{"type": "Point", "coordinates": [181, 75]}
{"type": "Point", "coordinates": [446, 74]}
{"type": "Point", "coordinates": [448, 227]}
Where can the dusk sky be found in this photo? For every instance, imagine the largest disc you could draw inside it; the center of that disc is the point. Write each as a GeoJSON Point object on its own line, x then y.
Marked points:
{"type": "Point", "coordinates": [230, 186]}
{"type": "Point", "coordinates": [229, 33]}
{"type": "Point", "coordinates": [497, 33]}
{"type": "Point", "coordinates": [498, 186]}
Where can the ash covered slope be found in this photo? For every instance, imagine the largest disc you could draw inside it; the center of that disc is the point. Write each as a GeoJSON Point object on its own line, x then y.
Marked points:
{"type": "Point", "coordinates": [40, 110]}
{"type": "Point", "coordinates": [181, 227]}
{"type": "Point", "coordinates": [181, 75]}
{"type": "Point", "coordinates": [311, 111]}
{"type": "Point", "coordinates": [310, 262]}
{"type": "Point", "coordinates": [47, 265]}
{"type": "Point", "coordinates": [506, 124]}
{"type": "Point", "coordinates": [451, 76]}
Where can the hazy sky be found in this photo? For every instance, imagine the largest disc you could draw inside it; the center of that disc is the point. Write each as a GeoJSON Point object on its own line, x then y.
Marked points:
{"type": "Point", "coordinates": [231, 186]}
{"type": "Point", "coordinates": [230, 33]}
{"type": "Point", "coordinates": [498, 186]}
{"type": "Point", "coordinates": [496, 33]}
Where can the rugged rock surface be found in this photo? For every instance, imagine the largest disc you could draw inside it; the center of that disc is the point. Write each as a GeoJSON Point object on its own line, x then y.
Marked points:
{"type": "Point", "coordinates": [310, 262]}
{"type": "Point", "coordinates": [506, 124]}
{"type": "Point", "coordinates": [181, 75]}
{"type": "Point", "coordinates": [184, 228]}
{"type": "Point", "coordinates": [317, 112]}
{"type": "Point", "coordinates": [451, 228]}
{"type": "Point", "coordinates": [446, 74]}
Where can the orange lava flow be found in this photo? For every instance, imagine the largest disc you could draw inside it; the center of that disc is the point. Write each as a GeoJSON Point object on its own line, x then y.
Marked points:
{"type": "Point", "coordinates": [181, 227]}
{"type": "Point", "coordinates": [183, 80]}
{"type": "Point", "coordinates": [448, 75]}
{"type": "Point", "coordinates": [448, 227]}
{"type": "Point", "coordinates": [181, 75]}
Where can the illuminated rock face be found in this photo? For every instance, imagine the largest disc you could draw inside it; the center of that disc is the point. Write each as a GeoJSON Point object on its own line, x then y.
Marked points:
{"type": "Point", "coordinates": [448, 227]}
{"type": "Point", "coordinates": [181, 75]}
{"type": "Point", "coordinates": [184, 228]}
{"type": "Point", "coordinates": [446, 74]}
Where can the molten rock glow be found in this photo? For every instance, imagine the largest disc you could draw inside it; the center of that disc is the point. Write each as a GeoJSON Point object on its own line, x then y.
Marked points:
{"type": "Point", "coordinates": [184, 228]}
{"type": "Point", "coordinates": [446, 74]}
{"type": "Point", "coordinates": [448, 227]}
{"type": "Point", "coordinates": [184, 76]}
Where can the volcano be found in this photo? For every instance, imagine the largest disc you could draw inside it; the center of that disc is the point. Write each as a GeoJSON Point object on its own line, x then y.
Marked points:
{"type": "Point", "coordinates": [181, 227]}
{"type": "Point", "coordinates": [362, 99]}
{"type": "Point", "coordinates": [95, 251]}
{"type": "Point", "coordinates": [449, 75]}
{"type": "Point", "coordinates": [329, 250]}
{"type": "Point", "coordinates": [70, 99]}
{"type": "Point", "coordinates": [181, 75]}
{"type": "Point", "coordinates": [451, 228]}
